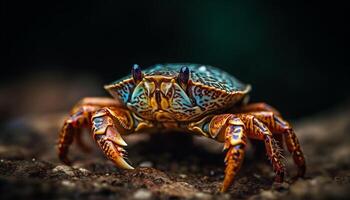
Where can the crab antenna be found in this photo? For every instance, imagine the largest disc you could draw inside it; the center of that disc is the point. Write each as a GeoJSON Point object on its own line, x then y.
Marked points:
{"type": "Point", "coordinates": [136, 73]}
{"type": "Point", "coordinates": [183, 77]}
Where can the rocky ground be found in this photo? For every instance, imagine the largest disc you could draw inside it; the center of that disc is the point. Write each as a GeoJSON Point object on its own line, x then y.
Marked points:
{"type": "Point", "coordinates": [172, 166]}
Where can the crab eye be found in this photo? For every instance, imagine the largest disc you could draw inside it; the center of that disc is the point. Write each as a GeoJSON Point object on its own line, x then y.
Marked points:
{"type": "Point", "coordinates": [136, 73]}
{"type": "Point", "coordinates": [183, 77]}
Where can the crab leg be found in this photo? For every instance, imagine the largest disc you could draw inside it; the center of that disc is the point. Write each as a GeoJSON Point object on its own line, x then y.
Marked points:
{"type": "Point", "coordinates": [230, 128]}
{"type": "Point", "coordinates": [258, 107]}
{"type": "Point", "coordinates": [108, 123]}
{"type": "Point", "coordinates": [258, 130]}
{"type": "Point", "coordinates": [79, 118]}
{"type": "Point", "coordinates": [283, 129]}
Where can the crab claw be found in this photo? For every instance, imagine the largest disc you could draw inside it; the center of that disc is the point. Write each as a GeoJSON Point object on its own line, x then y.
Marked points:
{"type": "Point", "coordinates": [111, 148]}
{"type": "Point", "coordinates": [117, 155]}
{"type": "Point", "coordinates": [122, 163]}
{"type": "Point", "coordinates": [104, 127]}
{"type": "Point", "coordinates": [115, 137]}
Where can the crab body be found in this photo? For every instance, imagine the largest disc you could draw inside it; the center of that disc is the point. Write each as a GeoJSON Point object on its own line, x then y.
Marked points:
{"type": "Point", "coordinates": [193, 98]}
{"type": "Point", "coordinates": [159, 96]}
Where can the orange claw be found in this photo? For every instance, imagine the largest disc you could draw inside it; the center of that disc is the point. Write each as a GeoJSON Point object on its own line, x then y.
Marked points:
{"type": "Point", "coordinates": [108, 137]}
{"type": "Point", "coordinates": [113, 152]}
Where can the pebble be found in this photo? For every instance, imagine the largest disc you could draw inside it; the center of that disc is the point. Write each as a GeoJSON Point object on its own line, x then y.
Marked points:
{"type": "Point", "coordinates": [266, 194]}
{"type": "Point", "coordinates": [201, 195]}
{"type": "Point", "coordinates": [146, 164]}
{"type": "Point", "coordinates": [183, 176]}
{"type": "Point", "coordinates": [68, 183]}
{"type": "Point", "coordinates": [63, 168]}
{"type": "Point", "coordinates": [142, 194]}
{"type": "Point", "coordinates": [225, 196]}
{"type": "Point", "coordinates": [300, 188]}
{"type": "Point", "coordinates": [212, 172]}
{"type": "Point", "coordinates": [97, 185]}
{"type": "Point", "coordinates": [257, 176]}
{"type": "Point", "coordinates": [84, 171]}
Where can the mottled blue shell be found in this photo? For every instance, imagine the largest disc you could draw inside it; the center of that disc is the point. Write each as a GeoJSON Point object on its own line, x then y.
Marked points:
{"type": "Point", "coordinates": [210, 84]}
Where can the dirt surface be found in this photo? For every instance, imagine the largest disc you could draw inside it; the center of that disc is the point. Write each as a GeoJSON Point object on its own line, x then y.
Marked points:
{"type": "Point", "coordinates": [172, 166]}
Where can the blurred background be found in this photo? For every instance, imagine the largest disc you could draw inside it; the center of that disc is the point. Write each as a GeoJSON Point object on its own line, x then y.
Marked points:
{"type": "Point", "coordinates": [55, 53]}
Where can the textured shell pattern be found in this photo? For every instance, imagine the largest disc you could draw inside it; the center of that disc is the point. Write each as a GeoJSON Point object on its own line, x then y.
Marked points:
{"type": "Point", "coordinates": [211, 87]}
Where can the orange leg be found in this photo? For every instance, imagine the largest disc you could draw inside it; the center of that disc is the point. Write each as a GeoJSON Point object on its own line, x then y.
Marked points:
{"type": "Point", "coordinates": [78, 119]}
{"type": "Point", "coordinates": [230, 129]}
{"type": "Point", "coordinates": [258, 130]}
{"type": "Point", "coordinates": [257, 107]}
{"type": "Point", "coordinates": [108, 124]}
{"type": "Point", "coordinates": [283, 129]}
{"type": "Point", "coordinates": [233, 130]}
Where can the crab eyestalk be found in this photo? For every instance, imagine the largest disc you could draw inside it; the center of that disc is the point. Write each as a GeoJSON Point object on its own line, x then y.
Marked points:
{"type": "Point", "coordinates": [136, 73]}
{"type": "Point", "coordinates": [183, 77]}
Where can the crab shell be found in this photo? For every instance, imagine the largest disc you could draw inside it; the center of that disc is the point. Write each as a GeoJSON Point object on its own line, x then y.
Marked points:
{"type": "Point", "coordinates": [208, 90]}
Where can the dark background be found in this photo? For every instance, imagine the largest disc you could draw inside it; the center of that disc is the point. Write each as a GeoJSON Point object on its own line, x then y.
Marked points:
{"type": "Point", "coordinates": [293, 54]}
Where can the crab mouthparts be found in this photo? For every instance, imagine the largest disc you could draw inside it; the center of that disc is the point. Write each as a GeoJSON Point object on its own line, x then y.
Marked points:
{"type": "Point", "coordinates": [161, 115]}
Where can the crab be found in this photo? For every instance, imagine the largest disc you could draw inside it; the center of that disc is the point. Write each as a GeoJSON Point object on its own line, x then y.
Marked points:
{"type": "Point", "coordinates": [190, 98]}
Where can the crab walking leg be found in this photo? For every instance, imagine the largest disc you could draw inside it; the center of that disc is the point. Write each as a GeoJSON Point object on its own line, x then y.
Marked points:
{"type": "Point", "coordinates": [79, 118]}
{"type": "Point", "coordinates": [258, 130]}
{"type": "Point", "coordinates": [235, 154]}
{"type": "Point", "coordinates": [279, 139]}
{"type": "Point", "coordinates": [258, 107]}
{"type": "Point", "coordinates": [107, 124]}
{"type": "Point", "coordinates": [262, 107]}
{"type": "Point", "coordinates": [72, 128]}
{"type": "Point", "coordinates": [298, 156]}
{"type": "Point", "coordinates": [230, 128]}
{"type": "Point", "coordinates": [277, 125]}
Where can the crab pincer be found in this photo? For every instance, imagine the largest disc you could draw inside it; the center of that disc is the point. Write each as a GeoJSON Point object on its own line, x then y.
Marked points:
{"type": "Point", "coordinates": [105, 133]}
